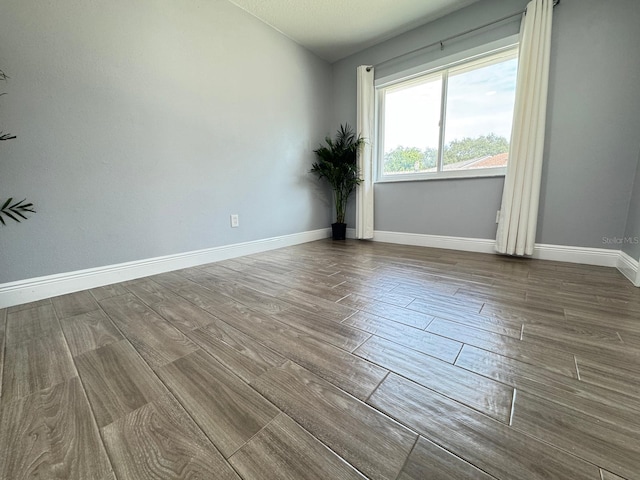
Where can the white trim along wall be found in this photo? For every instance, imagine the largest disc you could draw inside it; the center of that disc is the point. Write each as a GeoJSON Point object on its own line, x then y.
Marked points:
{"type": "Point", "coordinates": [629, 268]}
{"type": "Point", "coordinates": [32, 289]}
{"type": "Point", "coordinates": [602, 257]}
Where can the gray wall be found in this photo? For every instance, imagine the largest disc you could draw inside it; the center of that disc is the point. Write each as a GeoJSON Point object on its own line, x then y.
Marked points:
{"type": "Point", "coordinates": [593, 122]}
{"type": "Point", "coordinates": [632, 233]}
{"type": "Point", "coordinates": [439, 207]}
{"type": "Point", "coordinates": [591, 146]}
{"type": "Point", "coordinates": [142, 125]}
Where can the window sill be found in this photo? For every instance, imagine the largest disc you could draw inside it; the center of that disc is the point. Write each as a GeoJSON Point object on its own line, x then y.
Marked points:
{"type": "Point", "coordinates": [461, 174]}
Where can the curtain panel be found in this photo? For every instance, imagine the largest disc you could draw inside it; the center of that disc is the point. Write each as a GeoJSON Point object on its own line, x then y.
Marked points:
{"type": "Point", "coordinates": [365, 127]}
{"type": "Point", "coordinates": [518, 217]}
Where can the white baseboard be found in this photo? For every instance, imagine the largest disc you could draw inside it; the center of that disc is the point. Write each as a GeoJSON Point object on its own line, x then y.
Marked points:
{"type": "Point", "coordinates": [32, 289]}
{"type": "Point", "coordinates": [436, 241]}
{"type": "Point", "coordinates": [588, 256]}
{"type": "Point", "coordinates": [601, 257]}
{"type": "Point", "coordinates": [630, 268]}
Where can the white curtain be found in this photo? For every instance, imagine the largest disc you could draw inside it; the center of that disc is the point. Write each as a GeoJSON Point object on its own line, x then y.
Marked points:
{"type": "Point", "coordinates": [520, 198]}
{"type": "Point", "coordinates": [365, 128]}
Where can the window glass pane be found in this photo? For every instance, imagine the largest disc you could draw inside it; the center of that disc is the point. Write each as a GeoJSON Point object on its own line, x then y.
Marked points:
{"type": "Point", "coordinates": [479, 111]}
{"type": "Point", "coordinates": [411, 127]}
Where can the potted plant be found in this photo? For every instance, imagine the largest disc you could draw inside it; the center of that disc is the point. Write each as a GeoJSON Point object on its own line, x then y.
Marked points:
{"type": "Point", "coordinates": [337, 163]}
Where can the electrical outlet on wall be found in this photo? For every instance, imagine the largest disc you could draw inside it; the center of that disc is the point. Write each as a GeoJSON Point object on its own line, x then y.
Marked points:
{"type": "Point", "coordinates": [235, 220]}
{"type": "Point", "coordinates": [498, 216]}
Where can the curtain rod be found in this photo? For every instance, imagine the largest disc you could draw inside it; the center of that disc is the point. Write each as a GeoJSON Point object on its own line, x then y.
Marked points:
{"type": "Point", "coordinates": [466, 32]}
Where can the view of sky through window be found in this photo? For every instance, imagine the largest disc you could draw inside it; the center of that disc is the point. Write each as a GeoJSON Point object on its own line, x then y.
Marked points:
{"type": "Point", "coordinates": [478, 99]}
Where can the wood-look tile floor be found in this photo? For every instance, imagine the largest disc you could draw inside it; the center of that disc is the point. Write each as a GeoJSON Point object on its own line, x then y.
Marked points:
{"type": "Point", "coordinates": [329, 360]}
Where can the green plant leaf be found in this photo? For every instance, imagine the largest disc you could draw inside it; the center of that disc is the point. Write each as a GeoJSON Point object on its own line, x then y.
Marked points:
{"type": "Point", "coordinates": [16, 211]}
{"type": "Point", "coordinates": [17, 204]}
{"type": "Point", "coordinates": [8, 214]}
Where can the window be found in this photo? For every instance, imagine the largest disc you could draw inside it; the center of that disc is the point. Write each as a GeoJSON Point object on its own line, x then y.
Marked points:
{"type": "Point", "coordinates": [450, 122]}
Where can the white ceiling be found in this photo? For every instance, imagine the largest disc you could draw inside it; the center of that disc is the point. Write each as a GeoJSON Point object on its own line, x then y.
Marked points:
{"type": "Point", "coordinates": [334, 29]}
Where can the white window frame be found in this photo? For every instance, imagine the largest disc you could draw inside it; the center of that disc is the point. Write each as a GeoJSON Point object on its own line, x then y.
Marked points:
{"type": "Point", "coordinates": [420, 72]}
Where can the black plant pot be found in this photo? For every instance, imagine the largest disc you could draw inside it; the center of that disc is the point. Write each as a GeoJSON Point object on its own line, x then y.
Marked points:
{"type": "Point", "coordinates": [339, 231]}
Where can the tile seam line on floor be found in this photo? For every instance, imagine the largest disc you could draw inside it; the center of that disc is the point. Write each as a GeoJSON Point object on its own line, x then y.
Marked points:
{"type": "Point", "coordinates": [480, 309]}
{"type": "Point", "coordinates": [340, 457]}
{"type": "Point", "coordinates": [545, 395]}
{"type": "Point", "coordinates": [406, 460]}
{"type": "Point", "coordinates": [575, 361]}
{"type": "Point", "coordinates": [605, 347]}
{"type": "Point", "coordinates": [408, 307]}
{"type": "Point", "coordinates": [456, 455]}
{"type": "Point", "coordinates": [435, 442]}
{"type": "Point", "coordinates": [280, 412]}
{"type": "Point", "coordinates": [352, 396]}
{"type": "Point", "coordinates": [491, 351]}
{"type": "Point", "coordinates": [351, 315]}
{"type": "Point", "coordinates": [94, 419]}
{"type": "Point", "coordinates": [169, 392]}
{"type": "Point", "coordinates": [201, 348]}
{"type": "Point", "coordinates": [170, 322]}
{"type": "Point", "coordinates": [404, 377]}
{"type": "Point", "coordinates": [366, 400]}
{"type": "Point", "coordinates": [388, 303]}
{"type": "Point", "coordinates": [359, 310]}
{"type": "Point", "coordinates": [560, 448]}
{"type": "Point", "coordinates": [513, 406]}
{"type": "Point", "coordinates": [427, 325]}
{"type": "Point", "coordinates": [390, 320]}
{"type": "Point", "coordinates": [458, 356]}
{"type": "Point", "coordinates": [93, 296]}
{"type": "Point", "coordinates": [198, 423]}
{"type": "Point", "coordinates": [361, 343]}
{"type": "Point", "coordinates": [224, 367]}
{"type": "Point", "coordinates": [405, 346]}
